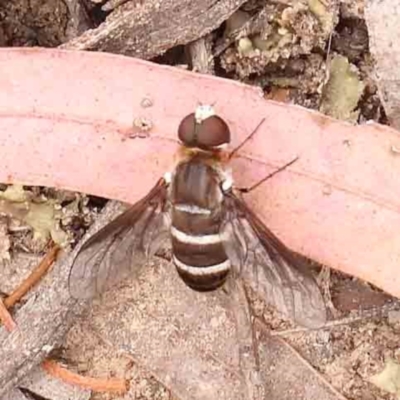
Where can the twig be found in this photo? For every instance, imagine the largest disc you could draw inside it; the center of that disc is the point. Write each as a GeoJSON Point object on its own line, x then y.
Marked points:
{"type": "Point", "coordinates": [6, 318]}
{"type": "Point", "coordinates": [324, 281]}
{"type": "Point", "coordinates": [111, 385]}
{"type": "Point", "coordinates": [367, 314]}
{"type": "Point", "coordinates": [35, 276]}
{"type": "Point", "coordinates": [26, 285]}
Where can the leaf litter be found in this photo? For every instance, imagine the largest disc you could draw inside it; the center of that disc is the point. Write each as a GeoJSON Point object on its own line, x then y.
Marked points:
{"type": "Point", "coordinates": [30, 218]}
{"type": "Point", "coordinates": [389, 378]}
{"type": "Point", "coordinates": [283, 51]}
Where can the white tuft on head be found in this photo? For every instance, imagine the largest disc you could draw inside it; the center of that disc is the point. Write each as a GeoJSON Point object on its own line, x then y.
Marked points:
{"type": "Point", "coordinates": [203, 112]}
{"type": "Point", "coordinates": [222, 146]}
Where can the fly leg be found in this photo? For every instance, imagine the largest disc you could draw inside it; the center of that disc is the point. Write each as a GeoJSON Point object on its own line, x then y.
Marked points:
{"type": "Point", "coordinates": [248, 352]}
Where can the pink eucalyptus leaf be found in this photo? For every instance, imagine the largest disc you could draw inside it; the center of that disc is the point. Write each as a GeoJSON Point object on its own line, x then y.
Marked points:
{"type": "Point", "coordinates": [66, 117]}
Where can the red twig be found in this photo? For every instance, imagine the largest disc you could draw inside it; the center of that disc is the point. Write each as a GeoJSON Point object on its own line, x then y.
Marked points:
{"type": "Point", "coordinates": [114, 385]}
{"type": "Point", "coordinates": [35, 276]}
{"type": "Point", "coordinates": [24, 287]}
{"type": "Point", "coordinates": [6, 318]}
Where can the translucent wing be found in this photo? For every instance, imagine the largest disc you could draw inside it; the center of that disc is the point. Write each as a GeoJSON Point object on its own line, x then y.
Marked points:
{"type": "Point", "coordinates": [113, 253]}
{"type": "Point", "coordinates": [281, 276]}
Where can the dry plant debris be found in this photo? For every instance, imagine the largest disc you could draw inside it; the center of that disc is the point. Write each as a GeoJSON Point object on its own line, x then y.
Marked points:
{"type": "Point", "coordinates": [278, 33]}
{"type": "Point", "coordinates": [389, 378]}
{"type": "Point", "coordinates": [39, 213]}
{"type": "Point", "coordinates": [343, 91]}
{"type": "Point", "coordinates": [279, 46]}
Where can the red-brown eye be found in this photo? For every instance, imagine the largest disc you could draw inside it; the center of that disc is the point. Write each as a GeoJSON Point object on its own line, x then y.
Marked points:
{"type": "Point", "coordinates": [208, 134]}
{"type": "Point", "coordinates": [187, 130]}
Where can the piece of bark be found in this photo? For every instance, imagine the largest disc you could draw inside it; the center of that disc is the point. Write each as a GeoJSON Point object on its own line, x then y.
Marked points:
{"type": "Point", "coordinates": [150, 28]}
{"type": "Point", "coordinates": [15, 394]}
{"type": "Point", "coordinates": [78, 21]}
{"type": "Point", "coordinates": [201, 55]}
{"type": "Point", "coordinates": [112, 4]}
{"type": "Point", "coordinates": [382, 18]}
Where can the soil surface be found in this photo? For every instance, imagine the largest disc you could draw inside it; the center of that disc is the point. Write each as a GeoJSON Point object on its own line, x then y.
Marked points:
{"type": "Point", "coordinates": [313, 53]}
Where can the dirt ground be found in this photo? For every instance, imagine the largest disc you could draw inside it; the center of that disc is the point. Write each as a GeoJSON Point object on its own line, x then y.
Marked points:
{"type": "Point", "coordinates": [312, 53]}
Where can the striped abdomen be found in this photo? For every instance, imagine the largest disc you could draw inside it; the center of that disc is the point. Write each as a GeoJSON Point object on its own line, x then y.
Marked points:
{"type": "Point", "coordinates": [197, 215]}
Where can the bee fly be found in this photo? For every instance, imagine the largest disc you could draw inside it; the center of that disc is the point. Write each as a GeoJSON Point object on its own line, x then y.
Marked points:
{"type": "Point", "coordinates": [211, 230]}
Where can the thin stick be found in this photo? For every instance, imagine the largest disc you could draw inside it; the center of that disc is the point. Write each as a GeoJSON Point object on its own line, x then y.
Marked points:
{"type": "Point", "coordinates": [328, 52]}
{"type": "Point", "coordinates": [235, 150]}
{"type": "Point", "coordinates": [6, 318]}
{"type": "Point", "coordinates": [110, 385]}
{"type": "Point", "coordinates": [365, 315]}
{"type": "Point", "coordinates": [35, 276]}
{"type": "Point", "coordinates": [327, 65]}
{"type": "Point", "coordinates": [247, 190]}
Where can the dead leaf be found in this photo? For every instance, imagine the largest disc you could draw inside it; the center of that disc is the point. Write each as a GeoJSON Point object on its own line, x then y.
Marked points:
{"type": "Point", "coordinates": [186, 339]}
{"type": "Point", "coordinates": [79, 146]}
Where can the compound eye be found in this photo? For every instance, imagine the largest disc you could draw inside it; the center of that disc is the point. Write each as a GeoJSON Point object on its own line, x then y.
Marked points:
{"type": "Point", "coordinates": [207, 134]}
{"type": "Point", "coordinates": [213, 132]}
{"type": "Point", "coordinates": [187, 130]}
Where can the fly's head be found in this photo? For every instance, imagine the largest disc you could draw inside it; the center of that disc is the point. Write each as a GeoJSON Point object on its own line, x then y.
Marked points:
{"type": "Point", "coordinates": [204, 130]}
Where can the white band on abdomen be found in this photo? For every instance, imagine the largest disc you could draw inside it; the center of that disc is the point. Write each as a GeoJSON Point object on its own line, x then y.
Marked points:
{"type": "Point", "coordinates": [191, 239]}
{"type": "Point", "coordinates": [201, 271]}
{"type": "Point", "coordinates": [192, 209]}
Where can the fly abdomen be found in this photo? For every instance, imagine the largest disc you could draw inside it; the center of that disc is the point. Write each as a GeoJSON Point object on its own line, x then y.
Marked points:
{"type": "Point", "coordinates": [198, 251]}
{"type": "Point", "coordinates": [197, 214]}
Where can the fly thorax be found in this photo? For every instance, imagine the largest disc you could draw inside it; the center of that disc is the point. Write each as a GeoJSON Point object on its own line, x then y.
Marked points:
{"type": "Point", "coordinates": [196, 184]}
